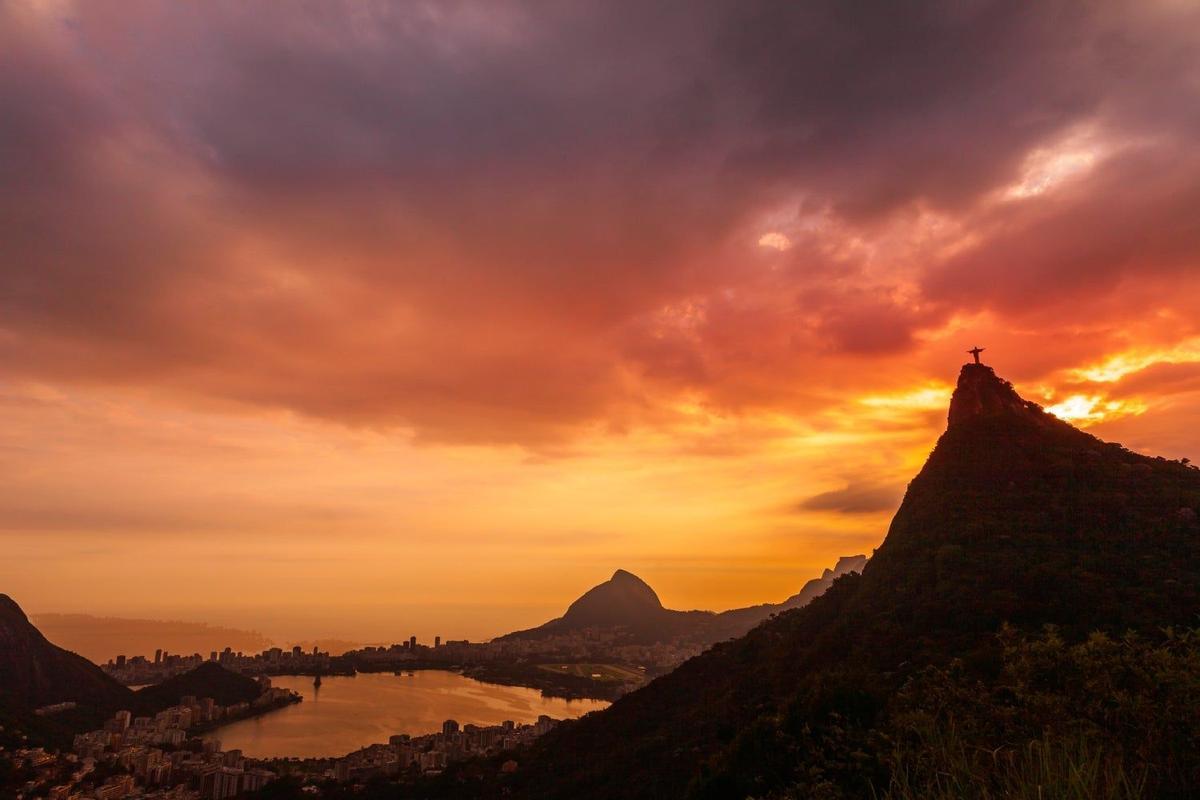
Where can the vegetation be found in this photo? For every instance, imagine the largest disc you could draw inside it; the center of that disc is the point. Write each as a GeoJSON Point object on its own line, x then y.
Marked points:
{"type": "Point", "coordinates": [1106, 718]}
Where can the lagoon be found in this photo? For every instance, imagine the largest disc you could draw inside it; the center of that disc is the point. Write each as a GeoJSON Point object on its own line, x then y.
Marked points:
{"type": "Point", "coordinates": [348, 713]}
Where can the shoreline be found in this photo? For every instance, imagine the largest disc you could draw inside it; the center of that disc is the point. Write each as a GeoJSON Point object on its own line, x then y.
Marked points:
{"type": "Point", "coordinates": [206, 728]}
{"type": "Point", "coordinates": [523, 676]}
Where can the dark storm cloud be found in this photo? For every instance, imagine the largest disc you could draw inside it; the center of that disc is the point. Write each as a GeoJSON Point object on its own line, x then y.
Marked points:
{"type": "Point", "coordinates": [876, 104]}
{"type": "Point", "coordinates": [1131, 219]}
{"type": "Point", "coordinates": [497, 221]}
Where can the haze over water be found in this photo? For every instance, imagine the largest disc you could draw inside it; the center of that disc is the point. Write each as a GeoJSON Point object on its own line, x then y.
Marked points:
{"type": "Point", "coordinates": [347, 713]}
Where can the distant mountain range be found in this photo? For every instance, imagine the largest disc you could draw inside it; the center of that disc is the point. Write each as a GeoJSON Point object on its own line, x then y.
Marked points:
{"type": "Point", "coordinates": [102, 638]}
{"type": "Point", "coordinates": [1016, 518]}
{"type": "Point", "coordinates": [627, 606]}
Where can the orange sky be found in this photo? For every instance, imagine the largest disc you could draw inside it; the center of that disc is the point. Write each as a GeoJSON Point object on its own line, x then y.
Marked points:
{"type": "Point", "coordinates": [373, 320]}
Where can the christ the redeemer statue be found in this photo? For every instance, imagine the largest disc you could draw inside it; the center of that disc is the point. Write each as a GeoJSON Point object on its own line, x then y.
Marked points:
{"type": "Point", "coordinates": [975, 351]}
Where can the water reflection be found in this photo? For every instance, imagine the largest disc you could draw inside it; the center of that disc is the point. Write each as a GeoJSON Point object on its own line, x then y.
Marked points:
{"type": "Point", "coordinates": [344, 714]}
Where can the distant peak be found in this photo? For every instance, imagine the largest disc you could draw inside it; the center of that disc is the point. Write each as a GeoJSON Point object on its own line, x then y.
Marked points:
{"type": "Point", "coordinates": [623, 594]}
{"type": "Point", "coordinates": [626, 581]}
{"type": "Point", "coordinates": [847, 564]}
{"type": "Point", "coordinates": [981, 393]}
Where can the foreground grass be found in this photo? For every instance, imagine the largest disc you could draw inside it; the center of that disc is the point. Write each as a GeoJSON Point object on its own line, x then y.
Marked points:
{"type": "Point", "coordinates": [1105, 719]}
{"type": "Point", "coordinates": [1073, 768]}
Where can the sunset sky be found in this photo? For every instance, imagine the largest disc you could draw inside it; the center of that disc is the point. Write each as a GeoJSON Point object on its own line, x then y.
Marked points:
{"type": "Point", "coordinates": [369, 319]}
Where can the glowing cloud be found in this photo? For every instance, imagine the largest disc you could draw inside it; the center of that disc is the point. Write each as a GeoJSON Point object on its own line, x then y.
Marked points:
{"type": "Point", "coordinates": [775, 241]}
{"type": "Point", "coordinates": [1047, 167]}
{"type": "Point", "coordinates": [1115, 367]}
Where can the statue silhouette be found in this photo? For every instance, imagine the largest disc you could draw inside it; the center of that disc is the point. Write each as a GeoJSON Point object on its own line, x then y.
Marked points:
{"type": "Point", "coordinates": [975, 351]}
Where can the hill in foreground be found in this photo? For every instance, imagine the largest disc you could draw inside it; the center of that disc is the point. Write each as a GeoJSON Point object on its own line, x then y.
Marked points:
{"type": "Point", "coordinates": [209, 679]}
{"type": "Point", "coordinates": [34, 672]}
{"type": "Point", "coordinates": [1016, 518]}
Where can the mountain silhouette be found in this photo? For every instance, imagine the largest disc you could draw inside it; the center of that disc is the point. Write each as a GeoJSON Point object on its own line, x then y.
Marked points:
{"type": "Point", "coordinates": [34, 672]}
{"type": "Point", "coordinates": [1016, 517]}
{"type": "Point", "coordinates": [817, 586]}
{"type": "Point", "coordinates": [626, 603]}
{"type": "Point", "coordinates": [618, 601]}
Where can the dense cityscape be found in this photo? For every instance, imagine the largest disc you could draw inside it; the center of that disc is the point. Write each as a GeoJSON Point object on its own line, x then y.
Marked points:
{"type": "Point", "coordinates": [157, 758]}
{"type": "Point", "coordinates": [426, 754]}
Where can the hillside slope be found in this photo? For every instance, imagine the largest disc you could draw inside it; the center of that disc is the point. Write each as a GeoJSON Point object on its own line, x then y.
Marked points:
{"type": "Point", "coordinates": [1016, 517]}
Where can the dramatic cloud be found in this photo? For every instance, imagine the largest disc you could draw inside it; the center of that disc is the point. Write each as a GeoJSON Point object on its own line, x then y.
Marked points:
{"type": "Point", "coordinates": [384, 214]}
{"type": "Point", "coordinates": [697, 228]}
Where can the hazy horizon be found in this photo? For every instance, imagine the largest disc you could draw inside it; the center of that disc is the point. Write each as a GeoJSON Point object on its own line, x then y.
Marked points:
{"type": "Point", "coordinates": [102, 637]}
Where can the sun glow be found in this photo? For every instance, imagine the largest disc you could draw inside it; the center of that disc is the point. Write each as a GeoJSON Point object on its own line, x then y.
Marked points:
{"type": "Point", "coordinates": [1089, 409]}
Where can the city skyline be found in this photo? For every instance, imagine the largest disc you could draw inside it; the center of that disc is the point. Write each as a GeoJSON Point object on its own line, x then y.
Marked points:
{"type": "Point", "coordinates": [369, 320]}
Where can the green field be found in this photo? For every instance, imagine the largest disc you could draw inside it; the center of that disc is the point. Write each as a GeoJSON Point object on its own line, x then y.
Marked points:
{"type": "Point", "coordinates": [603, 673]}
